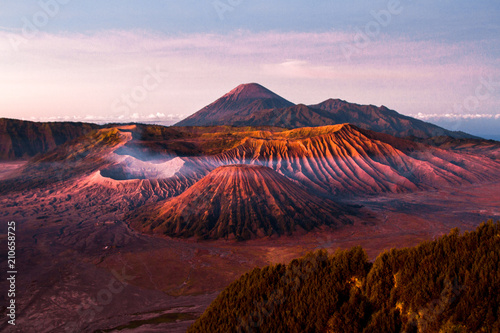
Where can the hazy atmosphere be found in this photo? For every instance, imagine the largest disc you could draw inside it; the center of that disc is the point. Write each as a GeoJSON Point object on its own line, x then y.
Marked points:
{"type": "Point", "coordinates": [162, 61]}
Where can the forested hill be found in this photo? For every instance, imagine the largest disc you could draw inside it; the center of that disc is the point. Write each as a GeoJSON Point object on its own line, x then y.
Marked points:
{"type": "Point", "coordinates": [448, 285]}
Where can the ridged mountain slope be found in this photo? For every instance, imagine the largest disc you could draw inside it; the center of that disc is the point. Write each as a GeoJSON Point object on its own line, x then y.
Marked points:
{"type": "Point", "coordinates": [346, 159]}
{"type": "Point", "coordinates": [240, 201]}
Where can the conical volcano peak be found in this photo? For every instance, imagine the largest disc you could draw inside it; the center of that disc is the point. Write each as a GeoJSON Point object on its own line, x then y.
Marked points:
{"type": "Point", "coordinates": [250, 91]}
{"type": "Point", "coordinates": [242, 101]}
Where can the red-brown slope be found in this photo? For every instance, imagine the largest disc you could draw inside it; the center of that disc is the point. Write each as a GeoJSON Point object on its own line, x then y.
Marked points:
{"type": "Point", "coordinates": [240, 201]}
{"type": "Point", "coordinates": [345, 159]}
{"type": "Point", "coordinates": [489, 148]}
{"type": "Point", "coordinates": [138, 164]}
{"type": "Point", "coordinates": [86, 168]}
{"type": "Point", "coordinates": [68, 161]}
{"type": "Point", "coordinates": [23, 139]}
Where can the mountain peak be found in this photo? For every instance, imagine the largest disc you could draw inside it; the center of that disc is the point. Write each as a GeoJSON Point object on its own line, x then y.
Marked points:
{"type": "Point", "coordinates": [244, 100]}
{"type": "Point", "coordinates": [331, 104]}
{"type": "Point", "coordinates": [250, 90]}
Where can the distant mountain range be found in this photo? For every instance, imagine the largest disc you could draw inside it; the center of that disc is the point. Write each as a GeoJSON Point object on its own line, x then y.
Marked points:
{"type": "Point", "coordinates": [254, 105]}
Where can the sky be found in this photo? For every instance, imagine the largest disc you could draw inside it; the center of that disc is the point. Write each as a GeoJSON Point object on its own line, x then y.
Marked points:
{"type": "Point", "coordinates": [162, 60]}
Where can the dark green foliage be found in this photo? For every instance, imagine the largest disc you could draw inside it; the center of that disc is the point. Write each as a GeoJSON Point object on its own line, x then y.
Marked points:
{"type": "Point", "coordinates": [448, 285]}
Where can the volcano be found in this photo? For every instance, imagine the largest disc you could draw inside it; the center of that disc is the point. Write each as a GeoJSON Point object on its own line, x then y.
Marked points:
{"type": "Point", "coordinates": [334, 160]}
{"type": "Point", "coordinates": [242, 101]}
{"type": "Point", "coordinates": [242, 201]}
{"type": "Point", "coordinates": [254, 105]}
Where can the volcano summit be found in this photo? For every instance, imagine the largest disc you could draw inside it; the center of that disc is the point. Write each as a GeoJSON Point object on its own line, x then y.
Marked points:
{"type": "Point", "coordinates": [241, 102]}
